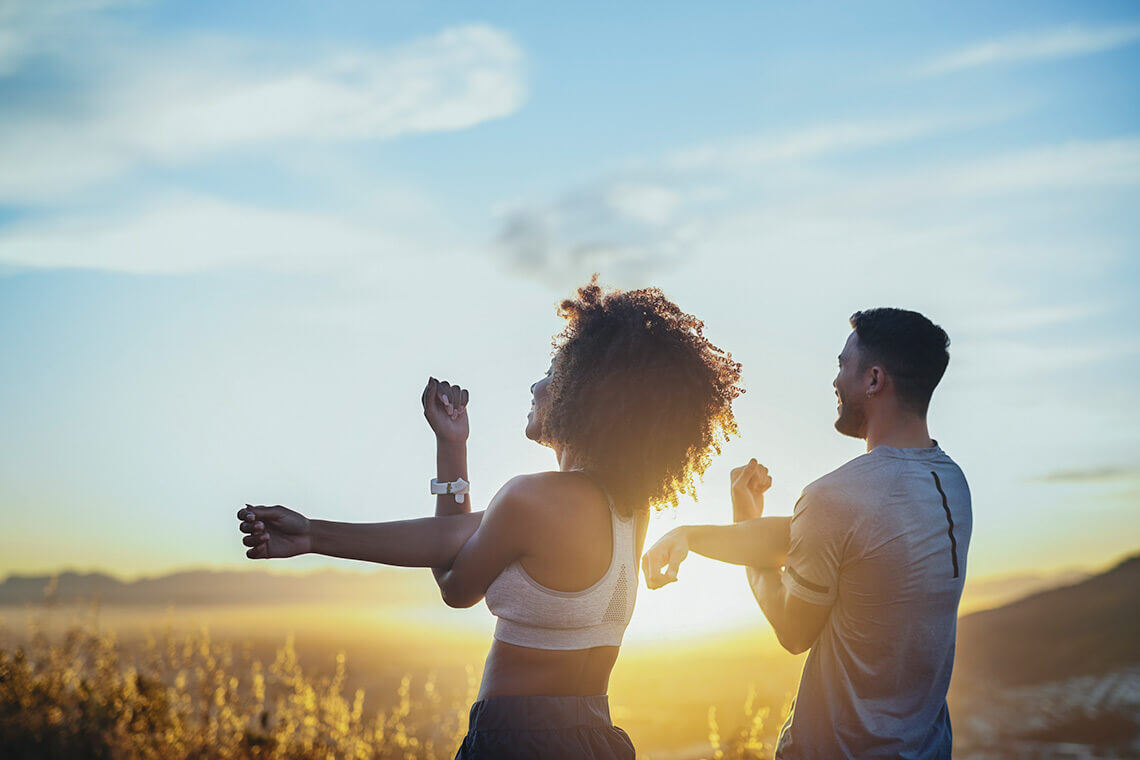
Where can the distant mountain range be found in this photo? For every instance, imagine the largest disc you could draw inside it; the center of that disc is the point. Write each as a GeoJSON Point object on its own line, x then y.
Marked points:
{"type": "Point", "coordinates": [384, 586]}
{"type": "Point", "coordinates": [1087, 628]}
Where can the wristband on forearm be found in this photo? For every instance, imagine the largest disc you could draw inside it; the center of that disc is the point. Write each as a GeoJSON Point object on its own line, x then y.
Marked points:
{"type": "Point", "coordinates": [456, 488]}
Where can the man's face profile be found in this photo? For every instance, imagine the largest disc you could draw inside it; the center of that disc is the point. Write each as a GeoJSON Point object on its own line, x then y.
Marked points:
{"type": "Point", "coordinates": [852, 418]}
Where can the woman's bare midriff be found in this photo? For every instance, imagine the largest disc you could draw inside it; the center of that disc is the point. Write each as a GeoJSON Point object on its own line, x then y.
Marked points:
{"type": "Point", "coordinates": [576, 560]}
{"type": "Point", "coordinates": [521, 671]}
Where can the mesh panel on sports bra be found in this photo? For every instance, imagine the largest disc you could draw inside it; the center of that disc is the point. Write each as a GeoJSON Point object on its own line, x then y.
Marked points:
{"type": "Point", "coordinates": [619, 602]}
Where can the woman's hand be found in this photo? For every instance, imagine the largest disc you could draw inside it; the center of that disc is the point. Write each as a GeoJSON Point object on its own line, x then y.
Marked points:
{"type": "Point", "coordinates": [274, 532]}
{"type": "Point", "coordinates": [445, 407]}
{"type": "Point", "coordinates": [748, 486]}
{"type": "Point", "coordinates": [661, 563]}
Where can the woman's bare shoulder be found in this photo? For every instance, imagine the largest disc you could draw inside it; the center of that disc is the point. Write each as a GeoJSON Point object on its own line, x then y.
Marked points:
{"type": "Point", "coordinates": [553, 493]}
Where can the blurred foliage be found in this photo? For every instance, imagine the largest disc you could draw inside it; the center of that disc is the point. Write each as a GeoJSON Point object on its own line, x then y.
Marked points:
{"type": "Point", "coordinates": [748, 743]}
{"type": "Point", "coordinates": [85, 696]}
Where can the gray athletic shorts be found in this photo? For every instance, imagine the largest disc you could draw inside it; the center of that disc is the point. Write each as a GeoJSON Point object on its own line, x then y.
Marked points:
{"type": "Point", "coordinates": [551, 728]}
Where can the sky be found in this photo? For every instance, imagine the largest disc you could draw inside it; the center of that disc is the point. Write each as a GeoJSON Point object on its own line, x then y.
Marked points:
{"type": "Point", "coordinates": [235, 240]}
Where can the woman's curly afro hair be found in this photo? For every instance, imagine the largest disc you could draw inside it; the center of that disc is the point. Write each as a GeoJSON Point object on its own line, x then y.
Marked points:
{"type": "Point", "coordinates": [639, 396]}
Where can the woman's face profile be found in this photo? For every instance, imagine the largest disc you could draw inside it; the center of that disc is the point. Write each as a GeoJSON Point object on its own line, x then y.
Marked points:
{"type": "Point", "coordinates": [538, 406]}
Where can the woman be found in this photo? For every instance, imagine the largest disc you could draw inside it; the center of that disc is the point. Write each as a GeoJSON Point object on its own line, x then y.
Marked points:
{"type": "Point", "coordinates": [634, 404]}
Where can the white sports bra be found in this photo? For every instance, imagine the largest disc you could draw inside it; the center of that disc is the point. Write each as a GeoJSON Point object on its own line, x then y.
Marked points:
{"type": "Point", "coordinates": [532, 615]}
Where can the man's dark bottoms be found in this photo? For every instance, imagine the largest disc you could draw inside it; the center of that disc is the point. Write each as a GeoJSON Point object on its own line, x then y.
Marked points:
{"type": "Point", "coordinates": [551, 728]}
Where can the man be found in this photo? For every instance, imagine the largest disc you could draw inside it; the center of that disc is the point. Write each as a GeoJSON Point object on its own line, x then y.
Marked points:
{"type": "Point", "coordinates": [868, 571]}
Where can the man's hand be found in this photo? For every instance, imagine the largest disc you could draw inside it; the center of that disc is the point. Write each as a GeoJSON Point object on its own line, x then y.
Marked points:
{"type": "Point", "coordinates": [748, 486]}
{"type": "Point", "coordinates": [661, 563]}
{"type": "Point", "coordinates": [274, 532]}
{"type": "Point", "coordinates": [445, 407]}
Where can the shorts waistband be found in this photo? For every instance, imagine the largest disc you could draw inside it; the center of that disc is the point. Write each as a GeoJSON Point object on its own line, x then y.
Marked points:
{"type": "Point", "coordinates": [526, 713]}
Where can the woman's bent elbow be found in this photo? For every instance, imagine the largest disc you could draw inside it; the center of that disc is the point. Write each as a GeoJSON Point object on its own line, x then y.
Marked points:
{"type": "Point", "coordinates": [461, 603]}
{"type": "Point", "coordinates": [457, 599]}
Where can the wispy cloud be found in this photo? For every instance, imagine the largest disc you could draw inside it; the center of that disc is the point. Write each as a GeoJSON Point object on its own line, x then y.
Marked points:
{"type": "Point", "coordinates": [1065, 42]}
{"type": "Point", "coordinates": [1023, 318]}
{"type": "Point", "coordinates": [1091, 475]}
{"type": "Point", "coordinates": [28, 27]}
{"type": "Point", "coordinates": [987, 359]}
{"type": "Point", "coordinates": [811, 141]}
{"type": "Point", "coordinates": [1070, 165]}
{"type": "Point", "coordinates": [626, 228]}
{"type": "Point", "coordinates": [202, 98]}
{"type": "Point", "coordinates": [648, 216]}
{"type": "Point", "coordinates": [192, 233]}
{"type": "Point", "coordinates": [650, 204]}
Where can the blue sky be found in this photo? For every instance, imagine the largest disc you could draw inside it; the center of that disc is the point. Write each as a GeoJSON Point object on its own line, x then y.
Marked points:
{"type": "Point", "coordinates": [235, 240]}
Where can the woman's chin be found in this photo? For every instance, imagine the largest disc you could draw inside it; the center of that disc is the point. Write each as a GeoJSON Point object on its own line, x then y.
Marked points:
{"type": "Point", "coordinates": [534, 432]}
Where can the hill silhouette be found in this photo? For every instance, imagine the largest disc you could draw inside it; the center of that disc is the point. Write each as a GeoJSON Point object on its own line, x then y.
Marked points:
{"type": "Point", "coordinates": [1087, 628]}
{"type": "Point", "coordinates": [1082, 629]}
{"type": "Point", "coordinates": [383, 586]}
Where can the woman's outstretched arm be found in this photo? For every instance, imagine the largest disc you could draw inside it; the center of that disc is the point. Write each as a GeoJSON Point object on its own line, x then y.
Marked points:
{"type": "Point", "coordinates": [465, 551]}
{"type": "Point", "coordinates": [470, 550]}
{"type": "Point", "coordinates": [432, 542]}
{"type": "Point", "coordinates": [424, 542]}
{"type": "Point", "coordinates": [277, 532]}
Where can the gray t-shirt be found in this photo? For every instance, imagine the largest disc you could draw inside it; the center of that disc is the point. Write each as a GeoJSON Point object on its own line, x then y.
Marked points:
{"type": "Point", "coordinates": [883, 539]}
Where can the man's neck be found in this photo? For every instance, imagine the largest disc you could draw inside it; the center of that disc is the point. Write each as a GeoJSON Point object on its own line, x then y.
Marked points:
{"type": "Point", "coordinates": [903, 431]}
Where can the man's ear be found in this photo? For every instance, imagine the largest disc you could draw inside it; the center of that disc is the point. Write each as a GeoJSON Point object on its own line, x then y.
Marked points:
{"type": "Point", "coordinates": [877, 380]}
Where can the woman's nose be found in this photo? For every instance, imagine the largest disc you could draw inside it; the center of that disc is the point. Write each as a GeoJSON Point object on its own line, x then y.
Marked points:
{"type": "Point", "coordinates": [532, 386]}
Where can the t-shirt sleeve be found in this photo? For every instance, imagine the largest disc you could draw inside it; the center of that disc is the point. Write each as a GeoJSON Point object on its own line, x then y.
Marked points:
{"type": "Point", "coordinates": [812, 570]}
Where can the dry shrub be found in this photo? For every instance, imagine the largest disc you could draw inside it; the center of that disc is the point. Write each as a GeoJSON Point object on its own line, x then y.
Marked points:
{"type": "Point", "coordinates": [185, 697]}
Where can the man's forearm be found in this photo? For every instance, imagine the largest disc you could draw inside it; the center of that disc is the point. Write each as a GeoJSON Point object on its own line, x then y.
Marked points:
{"type": "Point", "coordinates": [760, 542]}
{"type": "Point", "coordinates": [427, 542]}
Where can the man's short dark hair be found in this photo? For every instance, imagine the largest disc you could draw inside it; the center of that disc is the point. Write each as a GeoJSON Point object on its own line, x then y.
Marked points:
{"type": "Point", "coordinates": [911, 348]}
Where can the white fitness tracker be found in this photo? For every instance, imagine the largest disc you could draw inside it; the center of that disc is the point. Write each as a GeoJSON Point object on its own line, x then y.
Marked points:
{"type": "Point", "coordinates": [456, 488]}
